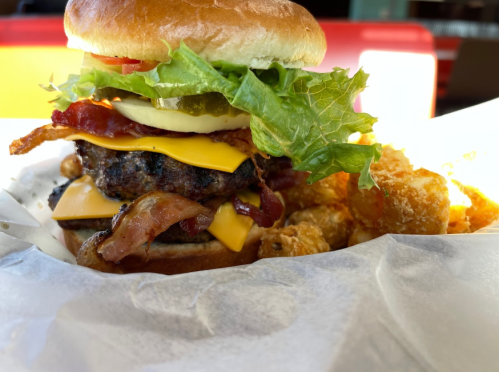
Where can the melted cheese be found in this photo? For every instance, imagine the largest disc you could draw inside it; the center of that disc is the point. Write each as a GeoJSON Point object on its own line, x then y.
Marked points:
{"type": "Point", "coordinates": [82, 199]}
{"type": "Point", "coordinates": [231, 228]}
{"type": "Point", "coordinates": [199, 151]}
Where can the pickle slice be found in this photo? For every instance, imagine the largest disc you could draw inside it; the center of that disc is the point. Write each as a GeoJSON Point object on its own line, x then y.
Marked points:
{"type": "Point", "coordinates": [111, 93]}
{"type": "Point", "coordinates": [214, 104]}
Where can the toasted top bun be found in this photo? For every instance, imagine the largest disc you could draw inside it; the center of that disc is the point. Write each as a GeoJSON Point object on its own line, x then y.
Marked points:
{"type": "Point", "coordinates": [249, 32]}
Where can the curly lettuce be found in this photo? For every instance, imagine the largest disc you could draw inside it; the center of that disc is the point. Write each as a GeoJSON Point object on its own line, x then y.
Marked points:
{"type": "Point", "coordinates": [306, 116]}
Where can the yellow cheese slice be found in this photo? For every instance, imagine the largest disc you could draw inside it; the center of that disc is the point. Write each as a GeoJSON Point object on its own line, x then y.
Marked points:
{"type": "Point", "coordinates": [199, 151]}
{"type": "Point", "coordinates": [231, 228]}
{"type": "Point", "coordinates": [82, 199]}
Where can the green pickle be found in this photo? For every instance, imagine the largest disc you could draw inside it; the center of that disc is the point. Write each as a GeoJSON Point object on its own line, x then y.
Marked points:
{"type": "Point", "coordinates": [111, 93]}
{"type": "Point", "coordinates": [214, 104]}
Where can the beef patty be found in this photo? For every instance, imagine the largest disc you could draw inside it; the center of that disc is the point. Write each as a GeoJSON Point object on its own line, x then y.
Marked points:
{"type": "Point", "coordinates": [129, 174]}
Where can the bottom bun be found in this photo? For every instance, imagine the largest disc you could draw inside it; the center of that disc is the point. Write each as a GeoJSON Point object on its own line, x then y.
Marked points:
{"type": "Point", "coordinates": [178, 258]}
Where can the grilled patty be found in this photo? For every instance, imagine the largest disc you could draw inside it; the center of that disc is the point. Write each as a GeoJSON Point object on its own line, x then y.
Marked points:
{"type": "Point", "coordinates": [126, 175]}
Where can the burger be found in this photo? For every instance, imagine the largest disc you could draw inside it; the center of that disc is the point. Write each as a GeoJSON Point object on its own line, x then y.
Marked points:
{"type": "Point", "coordinates": [187, 118]}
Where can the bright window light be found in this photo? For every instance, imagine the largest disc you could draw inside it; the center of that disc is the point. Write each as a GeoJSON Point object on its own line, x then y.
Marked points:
{"type": "Point", "coordinates": [401, 85]}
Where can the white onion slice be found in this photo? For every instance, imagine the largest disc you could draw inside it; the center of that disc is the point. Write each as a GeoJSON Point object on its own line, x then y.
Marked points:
{"type": "Point", "coordinates": [143, 112]}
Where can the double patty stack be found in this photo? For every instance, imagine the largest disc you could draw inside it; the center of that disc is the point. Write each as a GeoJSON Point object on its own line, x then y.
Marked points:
{"type": "Point", "coordinates": [186, 116]}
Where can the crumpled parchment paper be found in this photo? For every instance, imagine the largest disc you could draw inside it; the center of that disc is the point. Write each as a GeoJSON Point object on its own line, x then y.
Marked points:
{"type": "Point", "coordinates": [397, 303]}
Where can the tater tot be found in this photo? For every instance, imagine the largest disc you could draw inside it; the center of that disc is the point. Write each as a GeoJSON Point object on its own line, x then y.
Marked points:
{"type": "Point", "coordinates": [335, 223]}
{"type": "Point", "coordinates": [366, 206]}
{"type": "Point", "coordinates": [296, 240]}
{"type": "Point", "coordinates": [483, 211]}
{"type": "Point", "coordinates": [407, 201]}
{"type": "Point", "coordinates": [330, 190]}
{"type": "Point", "coordinates": [366, 139]}
{"type": "Point", "coordinates": [391, 162]}
{"type": "Point", "coordinates": [362, 234]}
{"type": "Point", "coordinates": [416, 203]}
{"type": "Point", "coordinates": [458, 220]}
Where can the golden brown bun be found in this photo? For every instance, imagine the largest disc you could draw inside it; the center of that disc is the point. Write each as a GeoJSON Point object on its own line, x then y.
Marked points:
{"type": "Point", "coordinates": [249, 32]}
{"type": "Point", "coordinates": [178, 258]}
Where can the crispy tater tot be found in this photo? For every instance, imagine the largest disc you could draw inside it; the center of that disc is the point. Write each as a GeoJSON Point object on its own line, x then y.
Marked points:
{"type": "Point", "coordinates": [483, 211]}
{"type": "Point", "coordinates": [295, 240]}
{"type": "Point", "coordinates": [416, 203]}
{"type": "Point", "coordinates": [458, 220]}
{"type": "Point", "coordinates": [334, 221]}
{"type": "Point", "coordinates": [362, 234]}
{"type": "Point", "coordinates": [366, 139]}
{"type": "Point", "coordinates": [328, 191]}
{"type": "Point", "coordinates": [366, 206]}
{"type": "Point", "coordinates": [407, 201]}
{"type": "Point", "coordinates": [391, 162]}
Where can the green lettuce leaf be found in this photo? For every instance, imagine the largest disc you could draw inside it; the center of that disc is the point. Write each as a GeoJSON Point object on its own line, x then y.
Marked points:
{"type": "Point", "coordinates": [306, 116]}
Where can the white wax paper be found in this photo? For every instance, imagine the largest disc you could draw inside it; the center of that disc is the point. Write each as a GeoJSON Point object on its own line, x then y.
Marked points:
{"type": "Point", "coordinates": [397, 303]}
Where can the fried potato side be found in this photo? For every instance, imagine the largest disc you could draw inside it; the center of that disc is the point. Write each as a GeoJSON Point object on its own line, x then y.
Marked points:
{"type": "Point", "coordinates": [290, 241]}
{"type": "Point", "coordinates": [366, 139]}
{"type": "Point", "coordinates": [335, 223]}
{"type": "Point", "coordinates": [407, 202]}
{"type": "Point", "coordinates": [458, 220]}
{"type": "Point", "coordinates": [483, 211]}
{"type": "Point", "coordinates": [328, 191]}
{"type": "Point", "coordinates": [362, 234]}
{"type": "Point", "coordinates": [366, 206]}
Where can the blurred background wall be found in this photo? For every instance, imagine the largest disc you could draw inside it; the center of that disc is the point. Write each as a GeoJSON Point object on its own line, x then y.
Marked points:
{"type": "Point", "coordinates": [378, 9]}
{"type": "Point", "coordinates": [465, 40]}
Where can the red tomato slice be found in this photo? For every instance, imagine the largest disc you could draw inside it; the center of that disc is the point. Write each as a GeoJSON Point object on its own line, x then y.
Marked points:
{"type": "Point", "coordinates": [115, 61]}
{"type": "Point", "coordinates": [142, 66]}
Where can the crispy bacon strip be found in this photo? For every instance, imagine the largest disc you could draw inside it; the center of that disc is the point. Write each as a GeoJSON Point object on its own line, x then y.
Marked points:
{"type": "Point", "coordinates": [89, 257]}
{"type": "Point", "coordinates": [202, 221]}
{"type": "Point", "coordinates": [145, 218]}
{"type": "Point", "coordinates": [271, 211]}
{"type": "Point", "coordinates": [283, 179]}
{"type": "Point", "coordinates": [272, 207]}
{"type": "Point", "coordinates": [243, 141]}
{"type": "Point", "coordinates": [102, 121]}
{"type": "Point", "coordinates": [37, 137]}
{"type": "Point", "coordinates": [240, 139]}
